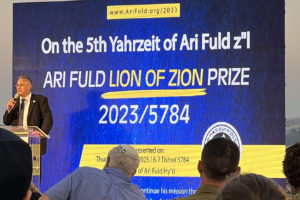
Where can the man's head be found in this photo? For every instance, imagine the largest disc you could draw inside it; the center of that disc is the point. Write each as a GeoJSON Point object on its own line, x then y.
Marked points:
{"type": "Point", "coordinates": [15, 166]}
{"type": "Point", "coordinates": [220, 158]}
{"type": "Point", "coordinates": [252, 187]}
{"type": "Point", "coordinates": [125, 158]}
{"type": "Point", "coordinates": [23, 86]}
{"type": "Point", "coordinates": [291, 167]}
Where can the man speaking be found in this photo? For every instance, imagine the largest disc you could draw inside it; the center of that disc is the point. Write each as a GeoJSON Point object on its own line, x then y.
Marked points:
{"type": "Point", "coordinates": [28, 109]}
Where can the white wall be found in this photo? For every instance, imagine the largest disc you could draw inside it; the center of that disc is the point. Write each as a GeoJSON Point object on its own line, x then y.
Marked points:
{"type": "Point", "coordinates": [292, 38]}
{"type": "Point", "coordinates": [292, 58]}
{"type": "Point", "coordinates": [5, 54]}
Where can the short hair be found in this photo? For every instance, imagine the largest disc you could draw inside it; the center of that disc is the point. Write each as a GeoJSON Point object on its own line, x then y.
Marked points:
{"type": "Point", "coordinates": [125, 158]}
{"type": "Point", "coordinates": [291, 164]}
{"type": "Point", "coordinates": [251, 187]}
{"type": "Point", "coordinates": [25, 77]}
{"type": "Point", "coordinates": [15, 166]}
{"type": "Point", "coordinates": [220, 158]}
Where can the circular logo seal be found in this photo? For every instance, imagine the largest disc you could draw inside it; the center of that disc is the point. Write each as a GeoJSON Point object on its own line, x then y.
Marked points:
{"type": "Point", "coordinates": [225, 130]}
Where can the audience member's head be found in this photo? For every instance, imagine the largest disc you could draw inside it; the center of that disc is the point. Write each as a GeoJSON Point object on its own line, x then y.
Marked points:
{"type": "Point", "coordinates": [291, 167]}
{"type": "Point", "coordinates": [125, 158]}
{"type": "Point", "coordinates": [15, 166]}
{"type": "Point", "coordinates": [252, 187]}
{"type": "Point", "coordinates": [220, 159]}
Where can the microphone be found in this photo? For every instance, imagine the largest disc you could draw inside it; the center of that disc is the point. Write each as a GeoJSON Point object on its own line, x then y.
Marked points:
{"type": "Point", "coordinates": [15, 99]}
{"type": "Point", "coordinates": [16, 96]}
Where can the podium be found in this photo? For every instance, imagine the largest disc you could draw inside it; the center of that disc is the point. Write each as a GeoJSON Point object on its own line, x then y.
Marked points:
{"type": "Point", "coordinates": [31, 135]}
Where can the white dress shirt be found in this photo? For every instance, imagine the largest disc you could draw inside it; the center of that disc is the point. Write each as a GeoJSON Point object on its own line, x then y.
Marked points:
{"type": "Point", "coordinates": [26, 108]}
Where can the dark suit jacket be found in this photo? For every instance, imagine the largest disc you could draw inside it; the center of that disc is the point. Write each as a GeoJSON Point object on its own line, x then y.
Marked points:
{"type": "Point", "coordinates": [39, 114]}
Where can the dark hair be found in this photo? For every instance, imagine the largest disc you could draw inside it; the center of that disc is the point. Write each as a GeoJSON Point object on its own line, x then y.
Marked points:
{"type": "Point", "coordinates": [25, 77]}
{"type": "Point", "coordinates": [220, 157]}
{"type": "Point", "coordinates": [251, 187]}
{"type": "Point", "coordinates": [15, 166]}
{"type": "Point", "coordinates": [291, 164]}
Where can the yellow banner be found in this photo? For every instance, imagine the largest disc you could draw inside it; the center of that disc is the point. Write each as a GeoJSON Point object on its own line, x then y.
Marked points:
{"type": "Point", "coordinates": [143, 11]}
{"type": "Point", "coordinates": [182, 160]}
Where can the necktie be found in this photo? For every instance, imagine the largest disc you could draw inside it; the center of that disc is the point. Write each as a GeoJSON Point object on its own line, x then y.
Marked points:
{"type": "Point", "coordinates": [21, 113]}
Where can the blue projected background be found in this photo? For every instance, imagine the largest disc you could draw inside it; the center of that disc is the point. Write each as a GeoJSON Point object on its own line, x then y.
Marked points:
{"type": "Point", "coordinates": [243, 80]}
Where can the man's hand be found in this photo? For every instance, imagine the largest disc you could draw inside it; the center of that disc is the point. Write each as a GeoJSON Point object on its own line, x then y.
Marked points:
{"type": "Point", "coordinates": [44, 197]}
{"type": "Point", "coordinates": [33, 188]}
{"type": "Point", "coordinates": [36, 132]}
{"type": "Point", "coordinates": [10, 105]}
